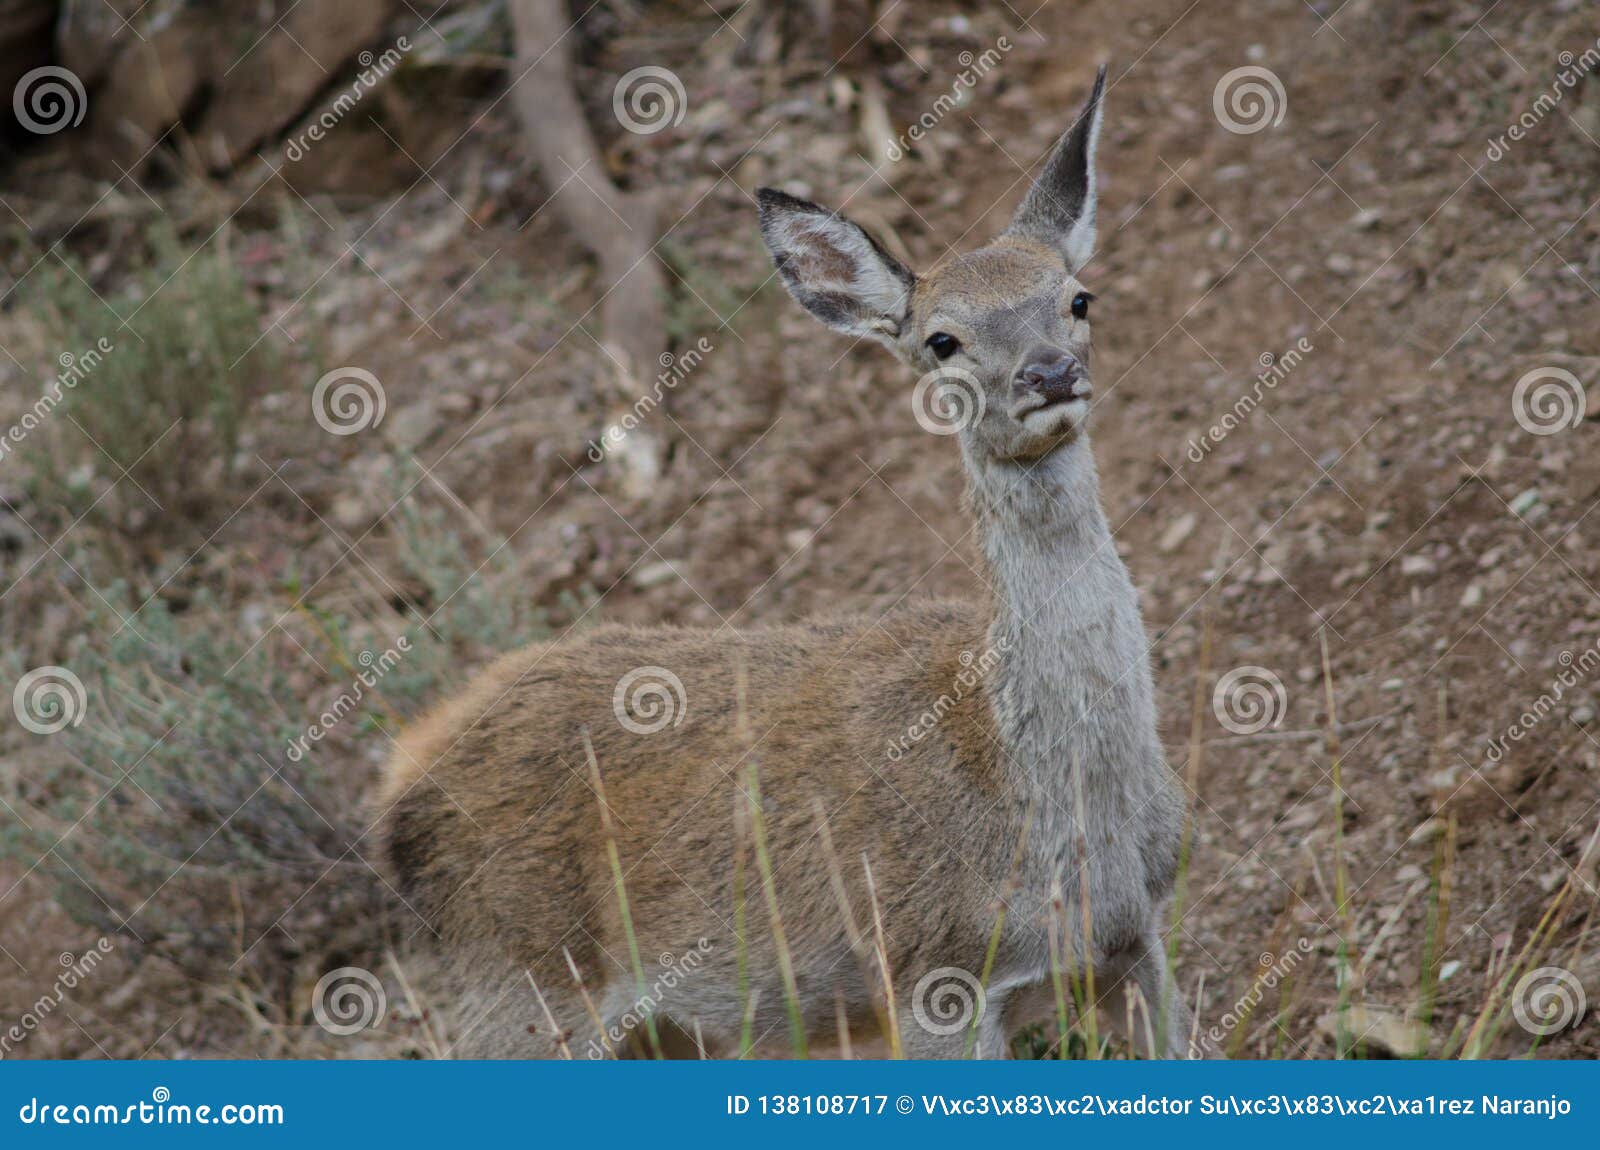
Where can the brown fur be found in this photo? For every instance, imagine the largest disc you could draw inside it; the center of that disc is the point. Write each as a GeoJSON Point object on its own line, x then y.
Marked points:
{"type": "Point", "coordinates": [493, 830]}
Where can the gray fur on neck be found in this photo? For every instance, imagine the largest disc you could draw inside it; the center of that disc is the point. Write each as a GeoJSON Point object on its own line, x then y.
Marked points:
{"type": "Point", "coordinates": [1073, 692]}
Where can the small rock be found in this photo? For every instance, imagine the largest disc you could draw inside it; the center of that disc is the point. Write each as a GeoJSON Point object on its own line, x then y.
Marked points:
{"type": "Point", "coordinates": [1378, 1029]}
{"type": "Point", "coordinates": [1180, 530]}
{"type": "Point", "coordinates": [1582, 714]}
{"type": "Point", "coordinates": [1426, 831]}
{"type": "Point", "coordinates": [648, 575]}
{"type": "Point", "coordinates": [412, 425]}
{"type": "Point", "coordinates": [1417, 565]}
{"type": "Point", "coordinates": [1526, 501]}
{"type": "Point", "coordinates": [1472, 596]}
{"type": "Point", "coordinates": [350, 511]}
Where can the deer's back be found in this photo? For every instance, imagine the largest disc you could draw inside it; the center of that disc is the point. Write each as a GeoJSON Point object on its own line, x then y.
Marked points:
{"type": "Point", "coordinates": [493, 829]}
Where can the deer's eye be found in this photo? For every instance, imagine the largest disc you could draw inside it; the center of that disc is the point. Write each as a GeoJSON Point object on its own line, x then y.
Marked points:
{"type": "Point", "coordinates": [942, 345]}
{"type": "Point", "coordinates": [1080, 305]}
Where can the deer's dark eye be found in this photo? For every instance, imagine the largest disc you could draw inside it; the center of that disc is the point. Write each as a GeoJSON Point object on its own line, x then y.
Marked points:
{"type": "Point", "coordinates": [942, 345]}
{"type": "Point", "coordinates": [1080, 305]}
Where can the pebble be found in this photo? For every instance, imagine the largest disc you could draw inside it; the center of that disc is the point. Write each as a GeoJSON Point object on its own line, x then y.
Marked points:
{"type": "Point", "coordinates": [1180, 530]}
{"type": "Point", "coordinates": [653, 574]}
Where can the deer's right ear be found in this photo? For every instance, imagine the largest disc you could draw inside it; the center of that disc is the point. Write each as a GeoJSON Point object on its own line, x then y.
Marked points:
{"type": "Point", "coordinates": [1059, 209]}
{"type": "Point", "coordinates": [834, 269]}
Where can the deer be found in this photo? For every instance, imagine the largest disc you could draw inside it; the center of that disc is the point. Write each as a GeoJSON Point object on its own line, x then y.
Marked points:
{"type": "Point", "coordinates": [908, 823]}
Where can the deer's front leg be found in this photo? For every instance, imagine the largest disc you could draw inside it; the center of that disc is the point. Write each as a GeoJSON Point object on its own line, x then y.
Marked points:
{"type": "Point", "coordinates": [929, 1030]}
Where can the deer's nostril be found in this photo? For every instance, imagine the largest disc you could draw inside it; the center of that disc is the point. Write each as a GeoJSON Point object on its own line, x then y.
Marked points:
{"type": "Point", "coordinates": [1053, 376]}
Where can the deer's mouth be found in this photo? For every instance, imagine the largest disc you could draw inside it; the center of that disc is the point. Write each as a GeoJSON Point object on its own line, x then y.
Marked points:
{"type": "Point", "coordinates": [1065, 402]}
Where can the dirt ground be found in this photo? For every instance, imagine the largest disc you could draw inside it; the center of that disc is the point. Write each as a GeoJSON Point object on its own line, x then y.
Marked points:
{"type": "Point", "coordinates": [1393, 506]}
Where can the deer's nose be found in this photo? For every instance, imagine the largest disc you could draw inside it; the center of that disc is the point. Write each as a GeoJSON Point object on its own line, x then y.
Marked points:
{"type": "Point", "coordinates": [1054, 375]}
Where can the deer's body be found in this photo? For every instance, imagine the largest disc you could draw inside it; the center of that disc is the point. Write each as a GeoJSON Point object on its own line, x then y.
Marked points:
{"type": "Point", "coordinates": [965, 757]}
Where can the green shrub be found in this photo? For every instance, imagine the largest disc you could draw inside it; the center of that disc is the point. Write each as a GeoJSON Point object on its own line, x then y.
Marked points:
{"type": "Point", "coordinates": [190, 811]}
{"type": "Point", "coordinates": [170, 367]}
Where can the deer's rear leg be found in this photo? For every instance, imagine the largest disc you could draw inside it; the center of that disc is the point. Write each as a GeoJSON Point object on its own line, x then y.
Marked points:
{"type": "Point", "coordinates": [1160, 1021]}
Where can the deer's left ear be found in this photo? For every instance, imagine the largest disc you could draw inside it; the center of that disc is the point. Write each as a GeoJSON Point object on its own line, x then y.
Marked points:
{"type": "Point", "coordinates": [1059, 209]}
{"type": "Point", "coordinates": [834, 268]}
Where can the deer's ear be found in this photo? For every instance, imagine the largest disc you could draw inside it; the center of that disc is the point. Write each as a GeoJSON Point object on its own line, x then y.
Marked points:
{"type": "Point", "coordinates": [834, 268]}
{"type": "Point", "coordinates": [1059, 209]}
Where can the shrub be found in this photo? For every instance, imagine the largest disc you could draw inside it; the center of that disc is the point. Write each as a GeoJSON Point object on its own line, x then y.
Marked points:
{"type": "Point", "coordinates": [193, 812]}
{"type": "Point", "coordinates": [186, 361]}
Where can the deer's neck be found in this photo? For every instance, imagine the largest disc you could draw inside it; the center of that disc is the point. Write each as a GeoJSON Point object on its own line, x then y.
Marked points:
{"type": "Point", "coordinates": [1074, 683]}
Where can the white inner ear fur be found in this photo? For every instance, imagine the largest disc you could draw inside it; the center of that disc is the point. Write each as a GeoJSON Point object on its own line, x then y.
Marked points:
{"type": "Point", "coordinates": [1077, 246]}
{"type": "Point", "coordinates": [833, 256]}
{"type": "Point", "coordinates": [1041, 221]}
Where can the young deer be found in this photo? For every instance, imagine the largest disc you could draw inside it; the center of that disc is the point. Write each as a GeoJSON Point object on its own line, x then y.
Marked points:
{"type": "Point", "coordinates": [888, 845]}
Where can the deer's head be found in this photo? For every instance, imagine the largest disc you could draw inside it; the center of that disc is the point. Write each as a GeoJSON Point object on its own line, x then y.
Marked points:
{"type": "Point", "coordinates": [1007, 325]}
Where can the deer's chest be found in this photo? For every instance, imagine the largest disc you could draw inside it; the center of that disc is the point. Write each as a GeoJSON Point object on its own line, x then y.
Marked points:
{"type": "Point", "coordinates": [1076, 716]}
